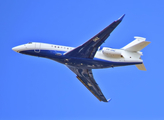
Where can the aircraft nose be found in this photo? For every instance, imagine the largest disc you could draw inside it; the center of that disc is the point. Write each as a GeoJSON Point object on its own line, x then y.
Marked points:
{"type": "Point", "coordinates": [18, 48]}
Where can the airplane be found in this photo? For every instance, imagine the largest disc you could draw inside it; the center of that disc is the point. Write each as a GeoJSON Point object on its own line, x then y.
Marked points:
{"type": "Point", "coordinates": [90, 55]}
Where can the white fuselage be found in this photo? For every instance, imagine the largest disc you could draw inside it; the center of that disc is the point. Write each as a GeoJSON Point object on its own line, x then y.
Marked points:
{"type": "Point", "coordinates": [103, 54]}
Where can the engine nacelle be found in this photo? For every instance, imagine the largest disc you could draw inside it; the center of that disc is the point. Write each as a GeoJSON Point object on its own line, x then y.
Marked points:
{"type": "Point", "coordinates": [111, 52]}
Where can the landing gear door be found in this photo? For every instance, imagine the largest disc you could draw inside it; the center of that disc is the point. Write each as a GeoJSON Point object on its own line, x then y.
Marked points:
{"type": "Point", "coordinates": [37, 47]}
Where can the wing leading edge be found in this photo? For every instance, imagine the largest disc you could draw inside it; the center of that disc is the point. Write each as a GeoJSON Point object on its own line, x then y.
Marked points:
{"type": "Point", "coordinates": [89, 48]}
{"type": "Point", "coordinates": [85, 76]}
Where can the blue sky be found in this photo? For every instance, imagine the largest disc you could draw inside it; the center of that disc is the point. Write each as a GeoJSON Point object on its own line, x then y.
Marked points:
{"type": "Point", "coordinates": [33, 88]}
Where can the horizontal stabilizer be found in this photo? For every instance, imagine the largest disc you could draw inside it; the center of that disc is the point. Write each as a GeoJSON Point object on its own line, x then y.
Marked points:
{"type": "Point", "coordinates": [141, 67]}
{"type": "Point", "coordinates": [138, 44]}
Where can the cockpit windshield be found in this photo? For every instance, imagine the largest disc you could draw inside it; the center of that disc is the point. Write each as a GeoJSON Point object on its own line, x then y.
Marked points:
{"type": "Point", "coordinates": [29, 43]}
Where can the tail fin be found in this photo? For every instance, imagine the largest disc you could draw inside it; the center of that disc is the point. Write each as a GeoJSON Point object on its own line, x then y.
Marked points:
{"type": "Point", "coordinates": [138, 44]}
{"type": "Point", "coordinates": [141, 67]}
{"type": "Point", "coordinates": [135, 46]}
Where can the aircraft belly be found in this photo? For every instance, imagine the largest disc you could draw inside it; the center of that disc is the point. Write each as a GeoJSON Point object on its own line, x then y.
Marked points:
{"type": "Point", "coordinates": [87, 63]}
{"type": "Point", "coordinates": [90, 63]}
{"type": "Point", "coordinates": [77, 61]}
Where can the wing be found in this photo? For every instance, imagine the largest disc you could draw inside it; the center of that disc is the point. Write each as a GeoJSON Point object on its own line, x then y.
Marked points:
{"type": "Point", "coordinates": [85, 76]}
{"type": "Point", "coordinates": [88, 49]}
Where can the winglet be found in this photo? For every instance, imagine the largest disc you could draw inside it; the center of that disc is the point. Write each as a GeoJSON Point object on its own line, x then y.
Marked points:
{"type": "Point", "coordinates": [120, 19]}
{"type": "Point", "coordinates": [109, 99]}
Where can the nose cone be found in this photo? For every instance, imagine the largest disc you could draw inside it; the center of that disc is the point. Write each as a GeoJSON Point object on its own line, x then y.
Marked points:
{"type": "Point", "coordinates": [16, 49]}
{"type": "Point", "coordinates": [19, 48]}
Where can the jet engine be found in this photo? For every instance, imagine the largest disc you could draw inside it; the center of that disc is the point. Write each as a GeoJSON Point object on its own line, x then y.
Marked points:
{"type": "Point", "coordinates": [111, 52]}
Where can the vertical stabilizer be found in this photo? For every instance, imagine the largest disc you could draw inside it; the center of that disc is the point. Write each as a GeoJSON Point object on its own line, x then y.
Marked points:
{"type": "Point", "coordinates": [134, 47]}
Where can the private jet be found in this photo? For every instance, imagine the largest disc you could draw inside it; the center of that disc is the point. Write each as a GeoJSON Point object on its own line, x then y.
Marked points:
{"type": "Point", "coordinates": [90, 55]}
